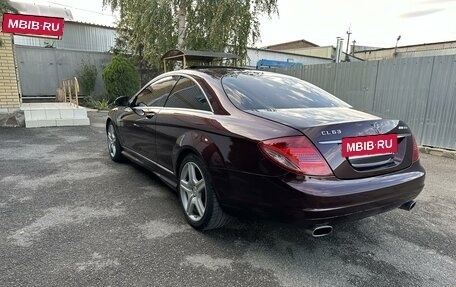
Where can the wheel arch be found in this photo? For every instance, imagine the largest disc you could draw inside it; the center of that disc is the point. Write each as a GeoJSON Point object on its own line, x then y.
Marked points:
{"type": "Point", "coordinates": [108, 121]}
{"type": "Point", "coordinates": [184, 153]}
{"type": "Point", "coordinates": [202, 145]}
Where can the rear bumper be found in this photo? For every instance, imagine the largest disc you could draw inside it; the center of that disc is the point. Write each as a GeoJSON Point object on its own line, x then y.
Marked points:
{"type": "Point", "coordinates": [314, 200]}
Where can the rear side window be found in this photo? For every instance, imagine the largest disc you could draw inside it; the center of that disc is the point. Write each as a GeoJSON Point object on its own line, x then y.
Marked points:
{"type": "Point", "coordinates": [187, 95]}
{"type": "Point", "coordinates": [155, 94]}
{"type": "Point", "coordinates": [262, 90]}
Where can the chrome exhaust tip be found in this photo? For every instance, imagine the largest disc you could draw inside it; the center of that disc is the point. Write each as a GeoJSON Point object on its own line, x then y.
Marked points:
{"type": "Point", "coordinates": [409, 205]}
{"type": "Point", "coordinates": [320, 230]}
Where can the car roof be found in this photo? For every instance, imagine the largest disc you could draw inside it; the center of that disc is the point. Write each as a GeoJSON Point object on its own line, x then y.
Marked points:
{"type": "Point", "coordinates": [214, 71]}
{"type": "Point", "coordinates": [219, 72]}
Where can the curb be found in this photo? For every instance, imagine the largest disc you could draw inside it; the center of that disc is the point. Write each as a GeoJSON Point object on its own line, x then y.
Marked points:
{"type": "Point", "coordinates": [88, 109]}
{"type": "Point", "coordinates": [438, 151]}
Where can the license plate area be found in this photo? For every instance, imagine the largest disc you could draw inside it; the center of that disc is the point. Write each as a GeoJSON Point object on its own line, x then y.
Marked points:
{"type": "Point", "coordinates": [369, 145]}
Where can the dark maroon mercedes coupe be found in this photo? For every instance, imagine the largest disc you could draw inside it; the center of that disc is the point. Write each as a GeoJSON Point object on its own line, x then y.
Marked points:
{"type": "Point", "coordinates": [234, 140]}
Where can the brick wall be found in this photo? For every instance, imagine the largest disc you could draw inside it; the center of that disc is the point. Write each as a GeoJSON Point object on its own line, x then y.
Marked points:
{"type": "Point", "coordinates": [9, 94]}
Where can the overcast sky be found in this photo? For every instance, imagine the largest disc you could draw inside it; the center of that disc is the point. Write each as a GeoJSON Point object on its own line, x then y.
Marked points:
{"type": "Point", "coordinates": [373, 23]}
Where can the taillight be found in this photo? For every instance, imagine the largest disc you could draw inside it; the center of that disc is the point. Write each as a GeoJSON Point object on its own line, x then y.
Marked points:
{"type": "Point", "coordinates": [296, 154]}
{"type": "Point", "coordinates": [416, 152]}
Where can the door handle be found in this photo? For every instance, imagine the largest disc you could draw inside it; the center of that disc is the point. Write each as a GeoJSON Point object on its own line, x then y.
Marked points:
{"type": "Point", "coordinates": [150, 115]}
{"type": "Point", "coordinates": [135, 125]}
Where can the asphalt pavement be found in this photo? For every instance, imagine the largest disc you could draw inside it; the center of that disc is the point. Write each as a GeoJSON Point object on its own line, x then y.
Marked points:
{"type": "Point", "coordinates": [69, 216]}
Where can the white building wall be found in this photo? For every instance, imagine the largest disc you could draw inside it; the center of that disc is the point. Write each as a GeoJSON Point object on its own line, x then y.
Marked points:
{"type": "Point", "coordinates": [254, 55]}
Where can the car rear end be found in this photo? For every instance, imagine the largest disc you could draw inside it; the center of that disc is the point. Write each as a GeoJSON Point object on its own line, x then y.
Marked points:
{"type": "Point", "coordinates": [345, 164]}
{"type": "Point", "coordinates": [333, 186]}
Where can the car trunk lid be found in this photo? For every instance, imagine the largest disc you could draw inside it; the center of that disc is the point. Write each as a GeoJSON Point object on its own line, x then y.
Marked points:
{"type": "Point", "coordinates": [327, 127]}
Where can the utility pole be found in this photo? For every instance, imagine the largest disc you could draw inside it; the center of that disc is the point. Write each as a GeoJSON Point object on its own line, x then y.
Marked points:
{"type": "Point", "coordinates": [353, 47]}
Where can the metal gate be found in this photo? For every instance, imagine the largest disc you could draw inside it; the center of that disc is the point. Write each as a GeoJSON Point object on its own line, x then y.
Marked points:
{"type": "Point", "coordinates": [41, 70]}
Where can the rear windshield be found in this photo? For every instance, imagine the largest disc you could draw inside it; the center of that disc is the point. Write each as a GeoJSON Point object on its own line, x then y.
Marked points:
{"type": "Point", "coordinates": [262, 90]}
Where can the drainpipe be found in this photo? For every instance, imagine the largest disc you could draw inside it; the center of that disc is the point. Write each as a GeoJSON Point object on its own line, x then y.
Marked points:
{"type": "Point", "coordinates": [340, 43]}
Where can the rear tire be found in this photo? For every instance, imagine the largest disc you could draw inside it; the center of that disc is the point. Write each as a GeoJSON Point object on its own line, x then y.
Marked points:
{"type": "Point", "coordinates": [114, 148]}
{"type": "Point", "coordinates": [197, 196]}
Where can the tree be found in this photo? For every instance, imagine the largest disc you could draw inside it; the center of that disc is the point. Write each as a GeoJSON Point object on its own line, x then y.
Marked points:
{"type": "Point", "coordinates": [88, 77]}
{"type": "Point", "coordinates": [120, 78]}
{"type": "Point", "coordinates": [5, 7]}
{"type": "Point", "coordinates": [152, 27]}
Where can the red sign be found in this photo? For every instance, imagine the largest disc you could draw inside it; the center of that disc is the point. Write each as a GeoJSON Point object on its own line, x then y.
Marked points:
{"type": "Point", "coordinates": [47, 27]}
{"type": "Point", "coordinates": [369, 145]}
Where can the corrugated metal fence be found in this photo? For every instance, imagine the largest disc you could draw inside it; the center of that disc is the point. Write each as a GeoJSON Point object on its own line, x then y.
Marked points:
{"type": "Point", "coordinates": [77, 36]}
{"type": "Point", "coordinates": [41, 70]}
{"type": "Point", "coordinates": [420, 91]}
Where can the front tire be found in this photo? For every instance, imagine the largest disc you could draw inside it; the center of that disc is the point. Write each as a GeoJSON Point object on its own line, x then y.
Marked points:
{"type": "Point", "coordinates": [114, 148]}
{"type": "Point", "coordinates": [197, 196]}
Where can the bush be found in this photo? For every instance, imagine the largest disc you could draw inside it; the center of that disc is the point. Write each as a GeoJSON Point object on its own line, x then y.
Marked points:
{"type": "Point", "coordinates": [88, 77]}
{"type": "Point", "coordinates": [120, 78]}
{"type": "Point", "coordinates": [101, 104]}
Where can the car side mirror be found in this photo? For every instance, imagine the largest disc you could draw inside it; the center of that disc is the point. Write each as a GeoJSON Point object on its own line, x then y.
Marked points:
{"type": "Point", "coordinates": [121, 101]}
{"type": "Point", "coordinates": [139, 111]}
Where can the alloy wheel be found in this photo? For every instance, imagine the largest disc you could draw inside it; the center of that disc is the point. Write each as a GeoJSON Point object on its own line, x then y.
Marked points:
{"type": "Point", "coordinates": [112, 141]}
{"type": "Point", "coordinates": [193, 191]}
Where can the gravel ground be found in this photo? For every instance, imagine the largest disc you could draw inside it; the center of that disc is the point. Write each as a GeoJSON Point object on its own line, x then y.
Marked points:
{"type": "Point", "coordinates": [72, 217]}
